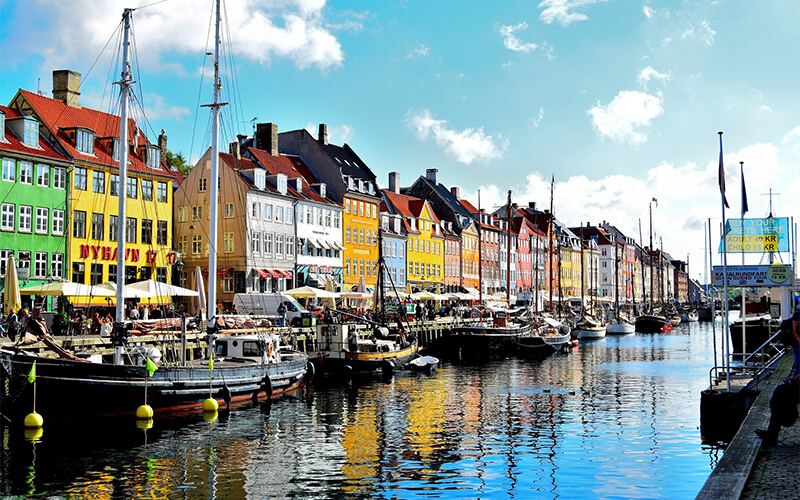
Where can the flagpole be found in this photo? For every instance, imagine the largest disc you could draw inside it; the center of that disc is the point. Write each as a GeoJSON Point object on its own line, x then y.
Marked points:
{"type": "Point", "coordinates": [711, 295]}
{"type": "Point", "coordinates": [721, 179]}
{"type": "Point", "coordinates": [743, 289]}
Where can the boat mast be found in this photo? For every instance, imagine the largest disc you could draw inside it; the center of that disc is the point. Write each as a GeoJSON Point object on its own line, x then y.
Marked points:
{"type": "Point", "coordinates": [480, 251]}
{"type": "Point", "coordinates": [213, 193]}
{"type": "Point", "coordinates": [550, 248]}
{"type": "Point", "coordinates": [508, 257]}
{"type": "Point", "coordinates": [122, 191]}
{"type": "Point", "coordinates": [616, 279]}
{"type": "Point", "coordinates": [380, 281]}
{"type": "Point", "coordinates": [652, 256]}
{"type": "Point", "coordinates": [536, 276]}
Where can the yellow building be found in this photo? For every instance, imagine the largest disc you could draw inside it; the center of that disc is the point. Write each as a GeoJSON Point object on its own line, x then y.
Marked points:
{"type": "Point", "coordinates": [469, 256]}
{"type": "Point", "coordinates": [360, 226]}
{"type": "Point", "coordinates": [425, 250]}
{"type": "Point", "coordinates": [91, 139]}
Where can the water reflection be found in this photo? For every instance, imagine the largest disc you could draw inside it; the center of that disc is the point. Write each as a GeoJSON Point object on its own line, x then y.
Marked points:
{"type": "Point", "coordinates": [618, 417]}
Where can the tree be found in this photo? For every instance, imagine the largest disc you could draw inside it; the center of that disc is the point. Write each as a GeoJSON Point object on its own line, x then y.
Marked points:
{"type": "Point", "coordinates": [179, 162]}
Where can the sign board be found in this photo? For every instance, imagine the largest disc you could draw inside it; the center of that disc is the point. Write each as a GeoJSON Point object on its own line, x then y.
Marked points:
{"type": "Point", "coordinates": [766, 275]}
{"type": "Point", "coordinates": [770, 234]}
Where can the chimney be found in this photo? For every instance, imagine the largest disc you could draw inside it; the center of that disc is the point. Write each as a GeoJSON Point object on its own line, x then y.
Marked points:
{"type": "Point", "coordinates": [456, 192]}
{"type": "Point", "coordinates": [66, 85]}
{"type": "Point", "coordinates": [394, 182]}
{"type": "Point", "coordinates": [235, 150]}
{"type": "Point", "coordinates": [432, 175]}
{"type": "Point", "coordinates": [267, 137]}
{"type": "Point", "coordinates": [323, 134]}
{"type": "Point", "coordinates": [162, 144]}
{"type": "Point", "coordinates": [532, 205]}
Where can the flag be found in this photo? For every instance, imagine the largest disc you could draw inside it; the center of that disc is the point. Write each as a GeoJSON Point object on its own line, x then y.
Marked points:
{"type": "Point", "coordinates": [722, 174]}
{"type": "Point", "coordinates": [151, 367]}
{"type": "Point", "coordinates": [745, 208]}
{"type": "Point", "coordinates": [32, 374]}
{"type": "Point", "coordinates": [655, 200]}
{"type": "Point", "coordinates": [211, 363]}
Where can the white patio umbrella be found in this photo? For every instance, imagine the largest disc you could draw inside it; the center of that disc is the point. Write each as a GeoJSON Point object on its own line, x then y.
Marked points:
{"type": "Point", "coordinates": [310, 292]}
{"type": "Point", "coordinates": [199, 302]}
{"type": "Point", "coordinates": [67, 289]}
{"type": "Point", "coordinates": [158, 289]}
{"type": "Point", "coordinates": [11, 294]}
{"type": "Point", "coordinates": [128, 292]}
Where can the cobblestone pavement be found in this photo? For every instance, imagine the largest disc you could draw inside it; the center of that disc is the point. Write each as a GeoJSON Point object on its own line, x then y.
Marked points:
{"type": "Point", "coordinates": [776, 471]}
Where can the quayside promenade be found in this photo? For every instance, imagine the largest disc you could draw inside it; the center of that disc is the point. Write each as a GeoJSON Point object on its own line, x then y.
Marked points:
{"type": "Point", "coordinates": [749, 471]}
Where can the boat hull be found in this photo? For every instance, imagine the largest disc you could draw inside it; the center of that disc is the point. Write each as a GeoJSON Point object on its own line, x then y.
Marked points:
{"type": "Point", "coordinates": [65, 387]}
{"type": "Point", "coordinates": [598, 332]}
{"type": "Point", "coordinates": [620, 328]}
{"type": "Point", "coordinates": [542, 345]}
{"type": "Point", "coordinates": [485, 341]}
{"type": "Point", "coordinates": [757, 332]}
{"type": "Point", "coordinates": [651, 324]}
{"type": "Point", "coordinates": [348, 363]}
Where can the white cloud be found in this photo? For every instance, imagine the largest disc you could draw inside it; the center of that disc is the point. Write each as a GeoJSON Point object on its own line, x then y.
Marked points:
{"type": "Point", "coordinates": [464, 146]}
{"type": "Point", "coordinates": [627, 116]}
{"type": "Point", "coordinates": [419, 52]}
{"type": "Point", "coordinates": [688, 195]}
{"type": "Point", "coordinates": [793, 136]}
{"type": "Point", "coordinates": [560, 11]}
{"type": "Point", "coordinates": [647, 11]}
{"type": "Point", "coordinates": [535, 121]}
{"type": "Point", "coordinates": [157, 108]}
{"type": "Point", "coordinates": [649, 73]}
{"type": "Point", "coordinates": [704, 33]}
{"type": "Point", "coordinates": [76, 31]}
{"type": "Point", "coordinates": [510, 41]}
{"type": "Point", "coordinates": [336, 135]}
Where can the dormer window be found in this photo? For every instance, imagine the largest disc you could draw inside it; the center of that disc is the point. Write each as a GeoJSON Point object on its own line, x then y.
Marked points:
{"type": "Point", "coordinates": [153, 157]}
{"type": "Point", "coordinates": [323, 190]}
{"type": "Point", "coordinates": [260, 179]}
{"type": "Point", "coordinates": [31, 134]}
{"type": "Point", "coordinates": [351, 183]}
{"type": "Point", "coordinates": [84, 141]}
{"type": "Point", "coordinates": [281, 183]}
{"type": "Point", "coordinates": [360, 185]}
{"type": "Point", "coordinates": [2, 127]}
{"type": "Point", "coordinates": [397, 226]}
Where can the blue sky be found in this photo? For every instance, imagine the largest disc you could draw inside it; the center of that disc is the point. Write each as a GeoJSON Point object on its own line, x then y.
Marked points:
{"type": "Point", "coordinates": [620, 100]}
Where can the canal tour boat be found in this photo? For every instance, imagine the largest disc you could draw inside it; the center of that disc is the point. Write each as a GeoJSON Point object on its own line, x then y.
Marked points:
{"type": "Point", "coordinates": [238, 367]}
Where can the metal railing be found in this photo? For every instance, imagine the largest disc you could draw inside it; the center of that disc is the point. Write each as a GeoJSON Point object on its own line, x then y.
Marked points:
{"type": "Point", "coordinates": [756, 366]}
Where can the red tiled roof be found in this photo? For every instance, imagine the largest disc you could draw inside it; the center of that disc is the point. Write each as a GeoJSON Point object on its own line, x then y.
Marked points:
{"type": "Point", "coordinates": [45, 150]}
{"type": "Point", "coordinates": [57, 117]}
{"type": "Point", "coordinates": [293, 167]}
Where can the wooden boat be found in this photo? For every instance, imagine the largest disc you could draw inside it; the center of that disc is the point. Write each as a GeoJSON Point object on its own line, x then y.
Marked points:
{"type": "Point", "coordinates": [589, 328]}
{"type": "Point", "coordinates": [348, 350]}
{"type": "Point", "coordinates": [424, 364]}
{"type": "Point", "coordinates": [485, 339]}
{"type": "Point", "coordinates": [651, 323]}
{"type": "Point", "coordinates": [548, 337]}
{"type": "Point", "coordinates": [620, 327]}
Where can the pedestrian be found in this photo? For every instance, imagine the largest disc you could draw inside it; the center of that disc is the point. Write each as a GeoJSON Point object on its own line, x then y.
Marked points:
{"type": "Point", "coordinates": [96, 324]}
{"type": "Point", "coordinates": [419, 312]}
{"type": "Point", "coordinates": [134, 314]}
{"type": "Point", "coordinates": [144, 313]}
{"type": "Point", "coordinates": [783, 410]}
{"type": "Point", "coordinates": [282, 314]}
{"type": "Point", "coordinates": [13, 325]}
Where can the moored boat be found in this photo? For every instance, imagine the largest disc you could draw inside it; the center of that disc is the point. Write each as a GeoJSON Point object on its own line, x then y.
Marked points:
{"type": "Point", "coordinates": [424, 364]}
{"type": "Point", "coordinates": [620, 326]}
{"type": "Point", "coordinates": [487, 339]}
{"type": "Point", "coordinates": [588, 328]}
{"type": "Point", "coordinates": [651, 323]}
{"type": "Point", "coordinates": [347, 350]}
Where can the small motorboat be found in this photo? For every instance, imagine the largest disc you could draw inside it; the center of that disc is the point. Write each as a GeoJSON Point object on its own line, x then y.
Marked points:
{"type": "Point", "coordinates": [424, 364]}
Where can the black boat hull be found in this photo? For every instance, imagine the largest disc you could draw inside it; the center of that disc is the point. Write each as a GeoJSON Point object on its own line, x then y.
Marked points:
{"type": "Point", "coordinates": [651, 324]}
{"type": "Point", "coordinates": [483, 341]}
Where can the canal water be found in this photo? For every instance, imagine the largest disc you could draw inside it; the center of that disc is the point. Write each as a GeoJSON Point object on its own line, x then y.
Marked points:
{"type": "Point", "coordinates": [614, 418]}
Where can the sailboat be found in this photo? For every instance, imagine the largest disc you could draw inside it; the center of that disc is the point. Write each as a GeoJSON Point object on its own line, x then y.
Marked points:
{"type": "Point", "coordinates": [651, 323]}
{"type": "Point", "coordinates": [620, 324]}
{"type": "Point", "coordinates": [240, 367]}
{"type": "Point", "coordinates": [587, 326]}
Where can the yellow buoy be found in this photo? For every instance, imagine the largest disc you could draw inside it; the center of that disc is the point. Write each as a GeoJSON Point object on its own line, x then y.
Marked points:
{"type": "Point", "coordinates": [33, 420]}
{"type": "Point", "coordinates": [144, 411]}
{"type": "Point", "coordinates": [34, 435]}
{"type": "Point", "coordinates": [210, 416]}
{"type": "Point", "coordinates": [210, 404]}
{"type": "Point", "coordinates": [144, 423]}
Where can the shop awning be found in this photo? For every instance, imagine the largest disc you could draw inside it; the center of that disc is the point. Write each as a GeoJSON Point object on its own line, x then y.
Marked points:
{"type": "Point", "coordinates": [314, 243]}
{"type": "Point", "coordinates": [221, 271]}
{"type": "Point", "coordinates": [263, 273]}
{"type": "Point", "coordinates": [285, 274]}
{"type": "Point", "coordinates": [324, 244]}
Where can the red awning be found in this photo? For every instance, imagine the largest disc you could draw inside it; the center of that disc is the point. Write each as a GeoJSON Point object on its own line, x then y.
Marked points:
{"type": "Point", "coordinates": [222, 271]}
{"type": "Point", "coordinates": [263, 273]}
{"type": "Point", "coordinates": [286, 274]}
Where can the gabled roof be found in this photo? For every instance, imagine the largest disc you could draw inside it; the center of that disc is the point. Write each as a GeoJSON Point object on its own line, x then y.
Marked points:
{"type": "Point", "coordinates": [347, 159]}
{"type": "Point", "coordinates": [14, 144]}
{"type": "Point", "coordinates": [447, 196]}
{"type": "Point", "coordinates": [293, 167]}
{"type": "Point", "coordinates": [58, 117]}
{"type": "Point", "coordinates": [408, 206]}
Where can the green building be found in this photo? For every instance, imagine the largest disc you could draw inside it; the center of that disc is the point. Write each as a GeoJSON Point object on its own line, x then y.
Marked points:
{"type": "Point", "coordinates": [33, 202]}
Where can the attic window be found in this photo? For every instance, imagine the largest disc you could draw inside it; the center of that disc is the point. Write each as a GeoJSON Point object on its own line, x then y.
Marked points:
{"type": "Point", "coordinates": [153, 156]}
{"type": "Point", "coordinates": [2, 127]}
{"type": "Point", "coordinates": [259, 179]}
{"type": "Point", "coordinates": [84, 141]}
{"type": "Point", "coordinates": [281, 183]}
{"type": "Point", "coordinates": [31, 134]}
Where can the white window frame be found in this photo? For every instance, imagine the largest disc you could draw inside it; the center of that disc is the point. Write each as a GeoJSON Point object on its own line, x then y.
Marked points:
{"type": "Point", "coordinates": [26, 172]}
{"type": "Point", "coordinates": [58, 222]}
{"type": "Point", "coordinates": [40, 264]}
{"type": "Point", "coordinates": [25, 219]}
{"type": "Point", "coordinates": [42, 219]}
{"type": "Point", "coordinates": [8, 216]}
{"type": "Point", "coordinates": [9, 169]}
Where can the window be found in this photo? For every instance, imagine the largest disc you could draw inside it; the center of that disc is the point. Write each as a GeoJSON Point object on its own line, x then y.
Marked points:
{"type": "Point", "coordinates": [147, 231]}
{"type": "Point", "coordinates": [25, 218]}
{"type": "Point", "coordinates": [268, 244]}
{"type": "Point", "coordinates": [130, 230]}
{"type": "Point", "coordinates": [227, 243]}
{"type": "Point", "coordinates": [26, 172]}
{"type": "Point", "coordinates": [40, 264]}
{"type": "Point", "coordinates": [96, 274]}
{"type": "Point", "coordinates": [361, 240]}
{"type": "Point", "coordinates": [42, 220]}
{"type": "Point", "coordinates": [78, 272]}
{"type": "Point", "coordinates": [278, 214]}
{"type": "Point", "coordinates": [309, 215]}
{"type": "Point", "coordinates": [58, 221]}
{"type": "Point", "coordinates": [183, 214]}
{"type": "Point", "coordinates": [289, 247]}
{"type": "Point", "coordinates": [228, 210]}
{"type": "Point", "coordinates": [336, 216]}
{"type": "Point", "coordinates": [361, 208]}
{"type": "Point", "coordinates": [256, 212]}
{"type": "Point", "coordinates": [113, 227]}
{"type": "Point", "coordinates": [79, 224]}
{"type": "Point", "coordinates": [162, 195]}
{"type": "Point", "coordinates": [31, 133]}
{"type": "Point", "coordinates": [347, 206]}
{"type": "Point", "coordinates": [113, 186]}
{"type": "Point", "coordinates": [84, 141]}
{"type": "Point", "coordinates": [361, 267]}
{"type": "Point", "coordinates": [9, 170]}
{"type": "Point", "coordinates": [347, 266]}
{"type": "Point", "coordinates": [197, 212]}
{"type": "Point", "coordinates": [375, 212]}
{"type": "Point", "coordinates": [147, 190]}
{"type": "Point", "coordinates": [98, 182]}
{"type": "Point", "coordinates": [289, 219]}
{"type": "Point", "coordinates": [43, 175]}
{"type": "Point", "coordinates": [7, 218]}
{"type": "Point", "coordinates": [202, 184]}
{"type": "Point", "coordinates": [255, 243]}
{"type": "Point", "coordinates": [279, 245]}
{"type": "Point", "coordinates": [153, 157]}
{"type": "Point", "coordinates": [327, 218]}
{"type": "Point", "coordinates": [4, 255]}
{"type": "Point", "coordinates": [227, 284]}
{"type": "Point", "coordinates": [132, 188]}
{"type": "Point", "coordinates": [320, 217]}
{"type": "Point", "coordinates": [161, 232]}
{"type": "Point", "coordinates": [57, 265]}
{"type": "Point", "coordinates": [112, 272]}
{"type": "Point", "coordinates": [183, 244]}
{"type": "Point", "coordinates": [267, 212]}
{"type": "Point", "coordinates": [347, 235]}
{"type": "Point", "coordinates": [79, 178]}
{"type": "Point", "coordinates": [197, 244]}
{"type": "Point", "coordinates": [355, 267]}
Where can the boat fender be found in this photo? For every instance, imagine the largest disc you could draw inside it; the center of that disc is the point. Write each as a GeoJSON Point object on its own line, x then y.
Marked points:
{"type": "Point", "coordinates": [387, 366]}
{"type": "Point", "coordinates": [266, 386]}
{"type": "Point", "coordinates": [347, 371]}
{"type": "Point", "coordinates": [225, 394]}
{"type": "Point", "coordinates": [310, 371]}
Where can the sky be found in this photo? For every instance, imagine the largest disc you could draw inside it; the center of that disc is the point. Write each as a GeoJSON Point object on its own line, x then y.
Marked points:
{"type": "Point", "coordinates": [619, 102]}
